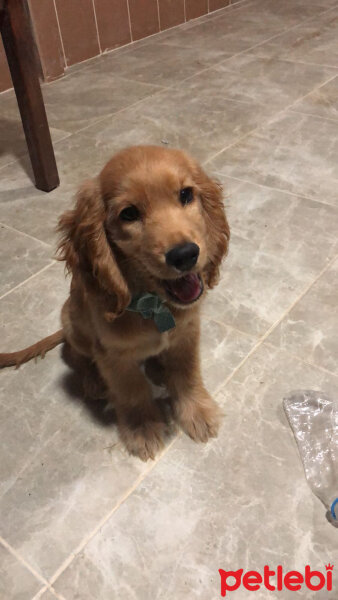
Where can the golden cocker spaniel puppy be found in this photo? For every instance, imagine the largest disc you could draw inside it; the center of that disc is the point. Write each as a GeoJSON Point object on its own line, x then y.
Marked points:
{"type": "Point", "coordinates": [143, 244]}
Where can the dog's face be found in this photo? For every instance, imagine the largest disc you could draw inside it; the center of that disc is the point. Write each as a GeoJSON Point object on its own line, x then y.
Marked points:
{"type": "Point", "coordinates": [162, 220]}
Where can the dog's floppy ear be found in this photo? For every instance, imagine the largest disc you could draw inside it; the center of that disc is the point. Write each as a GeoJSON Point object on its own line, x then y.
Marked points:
{"type": "Point", "coordinates": [85, 248]}
{"type": "Point", "coordinates": [218, 230]}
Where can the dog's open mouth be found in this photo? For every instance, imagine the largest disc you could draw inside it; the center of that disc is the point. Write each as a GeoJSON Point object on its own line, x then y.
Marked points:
{"type": "Point", "coordinates": [184, 290]}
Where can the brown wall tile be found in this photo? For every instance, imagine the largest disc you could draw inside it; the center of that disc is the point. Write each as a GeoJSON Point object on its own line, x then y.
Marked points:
{"type": "Point", "coordinates": [5, 76]}
{"type": "Point", "coordinates": [78, 29]}
{"type": "Point", "coordinates": [113, 23]}
{"type": "Point", "coordinates": [171, 13]}
{"type": "Point", "coordinates": [216, 4]}
{"type": "Point", "coordinates": [195, 8]}
{"type": "Point", "coordinates": [143, 17]}
{"type": "Point", "coordinates": [47, 37]}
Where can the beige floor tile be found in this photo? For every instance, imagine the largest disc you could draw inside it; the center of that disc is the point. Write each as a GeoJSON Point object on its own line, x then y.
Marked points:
{"type": "Point", "coordinates": [33, 310]}
{"type": "Point", "coordinates": [20, 257]}
{"type": "Point", "coordinates": [313, 41]}
{"type": "Point", "coordinates": [296, 153]}
{"type": "Point", "coordinates": [63, 465]}
{"type": "Point", "coordinates": [239, 502]}
{"type": "Point", "coordinates": [48, 595]}
{"type": "Point", "coordinates": [272, 256]}
{"type": "Point", "coordinates": [310, 328]}
{"type": "Point", "coordinates": [13, 142]}
{"type": "Point", "coordinates": [16, 582]}
{"type": "Point", "coordinates": [61, 470]}
{"type": "Point", "coordinates": [186, 118]}
{"type": "Point", "coordinates": [249, 25]}
{"type": "Point", "coordinates": [268, 81]}
{"type": "Point", "coordinates": [75, 102]}
{"type": "Point", "coordinates": [323, 102]}
{"type": "Point", "coordinates": [183, 119]}
{"type": "Point", "coordinates": [222, 349]}
{"type": "Point", "coordinates": [157, 64]}
{"type": "Point", "coordinates": [32, 211]}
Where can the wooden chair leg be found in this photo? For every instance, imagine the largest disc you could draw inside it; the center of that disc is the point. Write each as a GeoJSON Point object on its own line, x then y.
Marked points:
{"type": "Point", "coordinates": [19, 46]}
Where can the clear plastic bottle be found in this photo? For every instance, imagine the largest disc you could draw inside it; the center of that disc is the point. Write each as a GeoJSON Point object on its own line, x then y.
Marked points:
{"type": "Point", "coordinates": [313, 417]}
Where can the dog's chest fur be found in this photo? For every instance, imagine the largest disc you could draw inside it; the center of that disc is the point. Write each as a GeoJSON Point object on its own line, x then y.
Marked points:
{"type": "Point", "coordinates": [137, 335]}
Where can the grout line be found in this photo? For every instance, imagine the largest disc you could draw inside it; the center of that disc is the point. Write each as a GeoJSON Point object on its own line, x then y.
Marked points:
{"type": "Point", "coordinates": [300, 62]}
{"type": "Point", "coordinates": [40, 592]}
{"type": "Point", "coordinates": [316, 88]}
{"type": "Point", "coordinates": [25, 152]}
{"type": "Point", "coordinates": [126, 47]}
{"type": "Point", "coordinates": [234, 143]}
{"type": "Point", "coordinates": [299, 112]}
{"type": "Point", "coordinates": [97, 27]}
{"type": "Point", "coordinates": [25, 234]}
{"type": "Point", "coordinates": [104, 520]}
{"type": "Point", "coordinates": [274, 325]}
{"type": "Point", "coordinates": [261, 43]}
{"type": "Point", "coordinates": [16, 159]}
{"type": "Point", "coordinates": [112, 115]}
{"type": "Point", "coordinates": [22, 561]}
{"type": "Point", "coordinates": [129, 20]}
{"type": "Point", "coordinates": [144, 475]}
{"type": "Point", "coordinates": [194, 22]}
{"type": "Point", "coordinates": [49, 588]}
{"type": "Point", "coordinates": [267, 59]}
{"type": "Point", "coordinates": [60, 34]}
{"type": "Point", "coordinates": [210, 67]}
{"type": "Point", "coordinates": [214, 16]}
{"type": "Point", "coordinates": [227, 325]}
{"type": "Point", "coordinates": [28, 279]}
{"type": "Point", "coordinates": [269, 187]}
{"type": "Point", "coordinates": [302, 360]}
{"type": "Point", "coordinates": [231, 56]}
{"type": "Point", "coordinates": [269, 120]}
{"type": "Point", "coordinates": [56, 594]}
{"type": "Point", "coordinates": [158, 15]}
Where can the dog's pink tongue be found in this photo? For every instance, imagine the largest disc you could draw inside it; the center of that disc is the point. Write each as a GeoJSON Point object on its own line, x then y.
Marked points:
{"type": "Point", "coordinates": [187, 288]}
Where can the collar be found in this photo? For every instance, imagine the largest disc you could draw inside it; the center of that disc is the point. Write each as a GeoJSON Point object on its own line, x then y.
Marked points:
{"type": "Point", "coordinates": [151, 306]}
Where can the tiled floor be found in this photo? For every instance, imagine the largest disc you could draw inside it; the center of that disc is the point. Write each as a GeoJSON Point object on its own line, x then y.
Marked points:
{"type": "Point", "coordinates": [252, 92]}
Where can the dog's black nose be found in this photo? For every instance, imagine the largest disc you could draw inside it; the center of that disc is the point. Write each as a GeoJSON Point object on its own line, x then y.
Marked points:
{"type": "Point", "coordinates": [183, 257]}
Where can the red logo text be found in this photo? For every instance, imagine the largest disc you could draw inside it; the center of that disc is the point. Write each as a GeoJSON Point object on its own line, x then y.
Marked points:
{"type": "Point", "coordinates": [276, 580]}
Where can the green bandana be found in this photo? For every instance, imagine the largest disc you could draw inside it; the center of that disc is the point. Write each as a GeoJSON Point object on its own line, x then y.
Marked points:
{"type": "Point", "coordinates": [150, 306]}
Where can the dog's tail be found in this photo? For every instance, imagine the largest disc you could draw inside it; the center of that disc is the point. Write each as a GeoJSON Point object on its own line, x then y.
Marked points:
{"type": "Point", "coordinates": [15, 359]}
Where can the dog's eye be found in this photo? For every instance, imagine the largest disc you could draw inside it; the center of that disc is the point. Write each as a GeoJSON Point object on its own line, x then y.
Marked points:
{"type": "Point", "coordinates": [186, 195]}
{"type": "Point", "coordinates": [131, 213]}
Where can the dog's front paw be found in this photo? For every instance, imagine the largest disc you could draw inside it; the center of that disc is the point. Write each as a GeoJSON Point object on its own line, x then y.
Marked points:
{"type": "Point", "coordinates": [143, 435]}
{"type": "Point", "coordinates": [200, 419]}
{"type": "Point", "coordinates": [145, 441]}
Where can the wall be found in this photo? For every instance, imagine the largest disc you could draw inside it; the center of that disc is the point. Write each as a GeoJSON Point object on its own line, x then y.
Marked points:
{"type": "Point", "coordinates": [71, 31]}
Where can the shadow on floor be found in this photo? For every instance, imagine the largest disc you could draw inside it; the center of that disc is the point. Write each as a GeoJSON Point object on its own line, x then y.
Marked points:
{"type": "Point", "coordinates": [84, 384]}
{"type": "Point", "coordinates": [13, 144]}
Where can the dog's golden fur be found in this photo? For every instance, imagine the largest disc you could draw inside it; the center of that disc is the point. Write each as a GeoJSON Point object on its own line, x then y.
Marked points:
{"type": "Point", "coordinates": [111, 260]}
